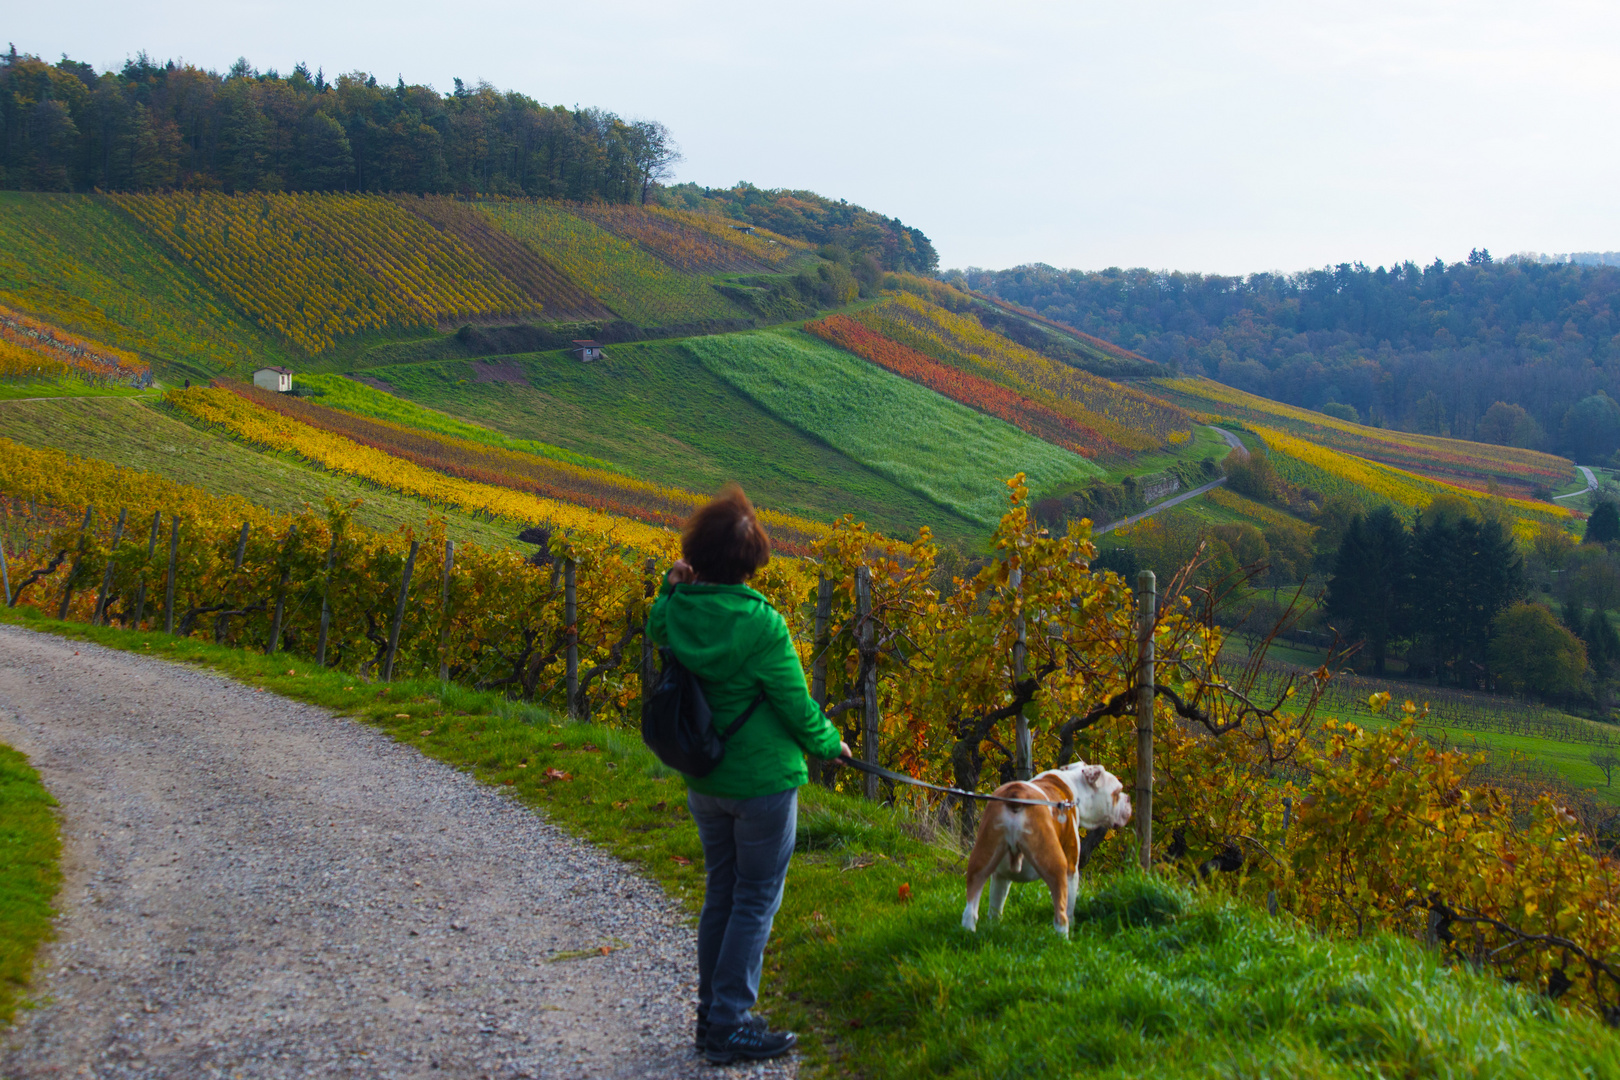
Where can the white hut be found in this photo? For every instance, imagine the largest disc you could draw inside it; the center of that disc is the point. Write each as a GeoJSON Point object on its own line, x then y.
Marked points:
{"type": "Point", "coordinates": [278, 379]}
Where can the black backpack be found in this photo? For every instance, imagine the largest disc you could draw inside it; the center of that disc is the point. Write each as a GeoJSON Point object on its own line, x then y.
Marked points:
{"type": "Point", "coordinates": [676, 723]}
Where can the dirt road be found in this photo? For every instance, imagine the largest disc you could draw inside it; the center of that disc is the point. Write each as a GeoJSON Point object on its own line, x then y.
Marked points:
{"type": "Point", "coordinates": [258, 888]}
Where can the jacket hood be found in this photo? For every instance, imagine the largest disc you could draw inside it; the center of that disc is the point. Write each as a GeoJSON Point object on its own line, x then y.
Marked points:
{"type": "Point", "coordinates": [708, 629]}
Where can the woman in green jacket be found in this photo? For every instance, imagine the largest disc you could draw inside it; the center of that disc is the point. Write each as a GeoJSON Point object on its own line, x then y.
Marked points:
{"type": "Point", "coordinates": [746, 810]}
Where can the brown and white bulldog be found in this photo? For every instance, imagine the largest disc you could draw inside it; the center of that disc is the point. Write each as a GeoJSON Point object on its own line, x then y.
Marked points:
{"type": "Point", "coordinates": [1044, 843]}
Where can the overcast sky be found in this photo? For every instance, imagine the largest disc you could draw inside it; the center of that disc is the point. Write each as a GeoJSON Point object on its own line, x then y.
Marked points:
{"type": "Point", "coordinates": [1224, 137]}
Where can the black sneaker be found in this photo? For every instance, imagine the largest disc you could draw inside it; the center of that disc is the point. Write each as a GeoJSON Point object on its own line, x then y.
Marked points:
{"type": "Point", "coordinates": [746, 1042]}
{"type": "Point", "coordinates": [756, 1022]}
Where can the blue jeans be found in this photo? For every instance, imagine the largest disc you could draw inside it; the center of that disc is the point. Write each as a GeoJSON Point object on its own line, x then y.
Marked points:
{"type": "Point", "coordinates": [746, 847]}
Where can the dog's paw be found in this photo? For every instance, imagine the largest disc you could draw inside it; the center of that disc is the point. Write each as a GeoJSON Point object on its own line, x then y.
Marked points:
{"type": "Point", "coordinates": [970, 920]}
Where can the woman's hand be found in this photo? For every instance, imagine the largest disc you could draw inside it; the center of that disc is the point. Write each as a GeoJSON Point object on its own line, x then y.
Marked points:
{"type": "Point", "coordinates": [844, 751]}
{"type": "Point", "coordinates": [681, 573]}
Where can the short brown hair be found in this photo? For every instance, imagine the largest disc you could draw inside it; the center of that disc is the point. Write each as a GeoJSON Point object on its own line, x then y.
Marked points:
{"type": "Point", "coordinates": [724, 541]}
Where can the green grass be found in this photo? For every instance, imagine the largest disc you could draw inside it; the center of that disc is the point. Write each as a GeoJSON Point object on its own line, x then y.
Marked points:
{"type": "Point", "coordinates": [653, 409]}
{"type": "Point", "coordinates": [1157, 980]}
{"type": "Point", "coordinates": [635, 284]}
{"type": "Point", "coordinates": [30, 873]}
{"type": "Point", "coordinates": [337, 392]}
{"type": "Point", "coordinates": [75, 261]}
{"type": "Point", "coordinates": [947, 453]}
{"type": "Point", "coordinates": [145, 436]}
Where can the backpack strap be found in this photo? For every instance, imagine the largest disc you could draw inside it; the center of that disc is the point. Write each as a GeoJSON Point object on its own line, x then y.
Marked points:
{"type": "Point", "coordinates": [737, 724]}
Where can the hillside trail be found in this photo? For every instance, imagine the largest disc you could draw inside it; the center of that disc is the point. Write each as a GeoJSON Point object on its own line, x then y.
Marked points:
{"type": "Point", "coordinates": [259, 888]}
{"type": "Point", "coordinates": [1591, 484]}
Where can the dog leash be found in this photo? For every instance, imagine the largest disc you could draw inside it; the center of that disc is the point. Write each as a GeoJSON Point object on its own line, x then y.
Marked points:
{"type": "Point", "coordinates": [902, 778]}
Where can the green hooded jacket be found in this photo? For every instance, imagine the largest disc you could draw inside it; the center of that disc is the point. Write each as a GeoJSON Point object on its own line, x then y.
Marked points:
{"type": "Point", "coordinates": [738, 645]}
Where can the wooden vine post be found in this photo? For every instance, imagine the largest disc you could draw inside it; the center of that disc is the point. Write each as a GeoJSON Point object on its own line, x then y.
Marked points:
{"type": "Point", "coordinates": [98, 616]}
{"type": "Point", "coordinates": [169, 582]}
{"type": "Point", "coordinates": [5, 572]}
{"type": "Point", "coordinates": [571, 633]}
{"type": "Point", "coordinates": [444, 611]}
{"type": "Point", "coordinates": [818, 665]}
{"type": "Point", "coordinates": [326, 603]}
{"type": "Point", "coordinates": [281, 587]}
{"type": "Point", "coordinates": [78, 562]}
{"type": "Point", "coordinates": [1145, 588]}
{"type": "Point", "coordinates": [649, 589]}
{"type": "Point", "coordinates": [826, 770]}
{"type": "Point", "coordinates": [399, 613]}
{"type": "Point", "coordinates": [1024, 743]}
{"type": "Point", "coordinates": [151, 550]}
{"type": "Point", "coordinates": [868, 638]}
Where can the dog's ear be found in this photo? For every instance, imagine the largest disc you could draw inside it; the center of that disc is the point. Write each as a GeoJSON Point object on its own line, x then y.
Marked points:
{"type": "Point", "coordinates": [1092, 775]}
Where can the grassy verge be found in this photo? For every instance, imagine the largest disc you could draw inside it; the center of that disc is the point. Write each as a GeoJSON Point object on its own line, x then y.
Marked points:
{"type": "Point", "coordinates": [29, 873]}
{"type": "Point", "coordinates": [870, 963]}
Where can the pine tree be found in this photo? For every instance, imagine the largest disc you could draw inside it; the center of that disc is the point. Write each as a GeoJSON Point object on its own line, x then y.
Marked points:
{"type": "Point", "coordinates": [1369, 574]}
{"type": "Point", "coordinates": [1603, 527]}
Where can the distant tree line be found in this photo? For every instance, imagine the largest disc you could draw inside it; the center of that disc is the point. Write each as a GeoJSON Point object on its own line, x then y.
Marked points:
{"type": "Point", "coordinates": [63, 127]}
{"type": "Point", "coordinates": [1451, 594]}
{"type": "Point", "coordinates": [804, 215]}
{"type": "Point", "coordinates": [1514, 352]}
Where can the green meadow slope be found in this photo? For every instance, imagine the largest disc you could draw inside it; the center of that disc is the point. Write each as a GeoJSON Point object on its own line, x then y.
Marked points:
{"type": "Point", "coordinates": [945, 452]}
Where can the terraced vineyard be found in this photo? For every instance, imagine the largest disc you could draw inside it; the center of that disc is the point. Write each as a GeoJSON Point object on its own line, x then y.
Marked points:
{"type": "Point", "coordinates": [673, 238]}
{"type": "Point", "coordinates": [1452, 461]}
{"type": "Point", "coordinates": [1128, 418]}
{"type": "Point", "coordinates": [946, 452]}
{"type": "Point", "coordinates": [615, 271]}
{"type": "Point", "coordinates": [970, 390]}
{"type": "Point", "coordinates": [313, 268]}
{"type": "Point", "coordinates": [74, 261]}
{"type": "Point", "coordinates": [1331, 472]}
{"type": "Point", "coordinates": [555, 295]}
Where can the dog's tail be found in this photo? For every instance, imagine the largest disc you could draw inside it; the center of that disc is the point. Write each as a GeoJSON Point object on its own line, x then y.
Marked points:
{"type": "Point", "coordinates": [1013, 822]}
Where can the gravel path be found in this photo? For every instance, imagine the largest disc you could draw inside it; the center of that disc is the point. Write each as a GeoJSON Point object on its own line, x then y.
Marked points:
{"type": "Point", "coordinates": [258, 888]}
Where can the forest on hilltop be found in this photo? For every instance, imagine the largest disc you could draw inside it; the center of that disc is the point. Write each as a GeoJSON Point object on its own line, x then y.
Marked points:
{"type": "Point", "coordinates": [153, 126]}
{"type": "Point", "coordinates": [1428, 349]}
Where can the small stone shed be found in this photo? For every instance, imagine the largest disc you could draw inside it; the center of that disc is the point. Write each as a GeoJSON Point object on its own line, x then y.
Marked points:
{"type": "Point", "coordinates": [278, 379]}
{"type": "Point", "coordinates": [588, 351]}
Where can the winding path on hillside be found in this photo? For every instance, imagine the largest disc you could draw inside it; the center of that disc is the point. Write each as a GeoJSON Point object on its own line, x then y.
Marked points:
{"type": "Point", "coordinates": [1591, 484]}
{"type": "Point", "coordinates": [1176, 500]}
{"type": "Point", "coordinates": [258, 888]}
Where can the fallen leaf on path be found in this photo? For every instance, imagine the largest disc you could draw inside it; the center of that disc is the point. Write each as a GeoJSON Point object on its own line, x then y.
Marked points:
{"type": "Point", "coordinates": [292, 671]}
{"type": "Point", "coordinates": [623, 804]}
{"type": "Point", "coordinates": [426, 733]}
{"type": "Point", "coordinates": [557, 774]}
{"type": "Point", "coordinates": [680, 860]}
{"type": "Point", "coordinates": [559, 746]}
{"type": "Point", "coordinates": [592, 747]}
{"type": "Point", "coordinates": [905, 892]}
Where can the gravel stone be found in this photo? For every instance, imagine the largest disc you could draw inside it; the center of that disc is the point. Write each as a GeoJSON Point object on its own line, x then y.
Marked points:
{"type": "Point", "coordinates": [258, 888]}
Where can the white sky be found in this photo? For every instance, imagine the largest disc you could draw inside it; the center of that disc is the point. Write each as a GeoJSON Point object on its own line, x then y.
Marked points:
{"type": "Point", "coordinates": [1223, 137]}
